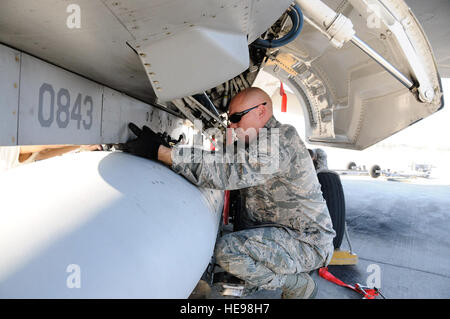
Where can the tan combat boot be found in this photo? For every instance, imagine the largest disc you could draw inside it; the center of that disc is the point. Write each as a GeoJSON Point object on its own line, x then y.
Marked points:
{"type": "Point", "coordinates": [299, 286]}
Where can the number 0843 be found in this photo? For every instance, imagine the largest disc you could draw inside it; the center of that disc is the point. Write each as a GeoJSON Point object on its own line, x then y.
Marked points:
{"type": "Point", "coordinates": [58, 107]}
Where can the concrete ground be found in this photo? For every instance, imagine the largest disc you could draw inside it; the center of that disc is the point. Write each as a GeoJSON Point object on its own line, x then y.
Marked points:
{"type": "Point", "coordinates": [399, 228]}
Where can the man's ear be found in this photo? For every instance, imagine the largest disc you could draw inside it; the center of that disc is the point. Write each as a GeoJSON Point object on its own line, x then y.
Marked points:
{"type": "Point", "coordinates": [261, 112]}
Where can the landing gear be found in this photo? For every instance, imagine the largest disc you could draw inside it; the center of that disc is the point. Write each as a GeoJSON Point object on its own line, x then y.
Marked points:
{"type": "Point", "coordinates": [333, 194]}
{"type": "Point", "coordinates": [375, 171]}
{"type": "Point", "coordinates": [351, 166]}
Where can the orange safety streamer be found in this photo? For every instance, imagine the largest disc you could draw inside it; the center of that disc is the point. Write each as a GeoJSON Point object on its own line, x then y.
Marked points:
{"type": "Point", "coordinates": [283, 98]}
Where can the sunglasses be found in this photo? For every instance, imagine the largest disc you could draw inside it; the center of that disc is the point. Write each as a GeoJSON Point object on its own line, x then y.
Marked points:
{"type": "Point", "coordinates": [236, 117]}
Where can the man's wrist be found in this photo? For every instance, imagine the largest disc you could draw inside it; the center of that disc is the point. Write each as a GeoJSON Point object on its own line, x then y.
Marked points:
{"type": "Point", "coordinates": [165, 155]}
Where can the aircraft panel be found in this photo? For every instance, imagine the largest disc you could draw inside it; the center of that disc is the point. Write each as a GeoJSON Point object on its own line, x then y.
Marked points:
{"type": "Point", "coordinates": [9, 79]}
{"type": "Point", "coordinates": [97, 50]}
{"type": "Point", "coordinates": [55, 103]}
{"type": "Point", "coordinates": [433, 16]}
{"type": "Point", "coordinates": [56, 106]}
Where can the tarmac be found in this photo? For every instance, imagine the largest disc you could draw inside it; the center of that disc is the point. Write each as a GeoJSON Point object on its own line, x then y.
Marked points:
{"type": "Point", "coordinates": [400, 231]}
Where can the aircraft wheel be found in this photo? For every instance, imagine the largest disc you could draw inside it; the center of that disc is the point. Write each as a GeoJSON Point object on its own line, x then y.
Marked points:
{"type": "Point", "coordinates": [375, 171]}
{"type": "Point", "coordinates": [333, 194]}
{"type": "Point", "coordinates": [351, 166]}
{"type": "Point", "coordinates": [236, 207]}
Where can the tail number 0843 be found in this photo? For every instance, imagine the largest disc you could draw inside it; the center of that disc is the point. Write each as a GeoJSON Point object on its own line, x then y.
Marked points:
{"type": "Point", "coordinates": [60, 109]}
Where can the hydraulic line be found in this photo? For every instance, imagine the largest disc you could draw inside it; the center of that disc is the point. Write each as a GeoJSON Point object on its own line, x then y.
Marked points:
{"type": "Point", "coordinates": [296, 16]}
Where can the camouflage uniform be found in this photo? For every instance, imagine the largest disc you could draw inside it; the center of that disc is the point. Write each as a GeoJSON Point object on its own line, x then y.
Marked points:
{"type": "Point", "coordinates": [287, 227]}
{"type": "Point", "coordinates": [321, 159]}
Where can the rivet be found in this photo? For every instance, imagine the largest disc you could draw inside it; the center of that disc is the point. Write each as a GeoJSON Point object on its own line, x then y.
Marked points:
{"type": "Point", "coordinates": [429, 94]}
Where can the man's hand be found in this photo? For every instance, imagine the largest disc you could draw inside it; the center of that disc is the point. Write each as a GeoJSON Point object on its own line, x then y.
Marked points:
{"type": "Point", "coordinates": [146, 144]}
{"type": "Point", "coordinates": [165, 155]}
{"type": "Point", "coordinates": [93, 147]}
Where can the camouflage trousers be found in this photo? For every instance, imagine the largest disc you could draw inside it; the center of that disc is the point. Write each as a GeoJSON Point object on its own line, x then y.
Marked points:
{"type": "Point", "coordinates": [264, 256]}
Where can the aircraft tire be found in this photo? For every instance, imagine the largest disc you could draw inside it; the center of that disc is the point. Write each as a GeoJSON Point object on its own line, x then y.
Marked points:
{"type": "Point", "coordinates": [374, 171]}
{"type": "Point", "coordinates": [351, 166]}
{"type": "Point", "coordinates": [333, 194]}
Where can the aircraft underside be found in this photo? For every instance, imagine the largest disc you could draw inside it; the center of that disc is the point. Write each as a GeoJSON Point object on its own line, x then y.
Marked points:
{"type": "Point", "coordinates": [363, 70]}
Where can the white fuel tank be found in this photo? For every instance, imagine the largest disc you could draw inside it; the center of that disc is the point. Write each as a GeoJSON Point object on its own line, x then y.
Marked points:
{"type": "Point", "coordinates": [103, 225]}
